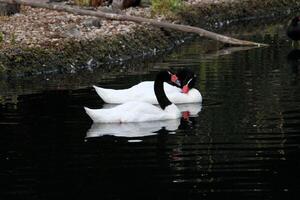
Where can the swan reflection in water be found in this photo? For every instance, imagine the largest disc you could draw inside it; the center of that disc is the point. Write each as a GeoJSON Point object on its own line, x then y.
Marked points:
{"type": "Point", "coordinates": [142, 129]}
{"type": "Point", "coordinates": [293, 59]}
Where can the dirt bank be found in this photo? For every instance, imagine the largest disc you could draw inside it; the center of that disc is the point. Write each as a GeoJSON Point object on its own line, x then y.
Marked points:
{"type": "Point", "coordinates": [70, 54]}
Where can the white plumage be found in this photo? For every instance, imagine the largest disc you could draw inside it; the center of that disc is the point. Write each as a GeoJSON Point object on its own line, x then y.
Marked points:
{"type": "Point", "coordinates": [134, 111]}
{"type": "Point", "coordinates": [144, 92]}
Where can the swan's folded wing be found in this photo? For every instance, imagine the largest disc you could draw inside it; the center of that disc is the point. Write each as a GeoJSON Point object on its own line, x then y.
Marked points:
{"type": "Point", "coordinates": [143, 91]}
{"type": "Point", "coordinates": [193, 96]}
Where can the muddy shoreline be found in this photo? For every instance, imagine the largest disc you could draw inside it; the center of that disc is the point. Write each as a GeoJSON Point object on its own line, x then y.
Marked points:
{"type": "Point", "coordinates": [142, 42]}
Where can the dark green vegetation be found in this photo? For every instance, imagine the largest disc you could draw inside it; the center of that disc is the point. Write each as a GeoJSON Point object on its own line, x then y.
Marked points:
{"type": "Point", "coordinates": [167, 7]}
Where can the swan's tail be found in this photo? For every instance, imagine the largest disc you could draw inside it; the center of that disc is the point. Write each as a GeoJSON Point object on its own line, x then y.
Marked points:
{"type": "Point", "coordinates": [101, 92]}
{"type": "Point", "coordinates": [111, 95]}
{"type": "Point", "coordinates": [90, 113]}
{"type": "Point", "coordinates": [100, 115]}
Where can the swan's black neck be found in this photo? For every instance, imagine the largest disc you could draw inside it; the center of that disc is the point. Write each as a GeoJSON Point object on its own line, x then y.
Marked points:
{"type": "Point", "coordinates": [295, 21]}
{"type": "Point", "coordinates": [185, 75]}
{"type": "Point", "coordinates": [160, 94]}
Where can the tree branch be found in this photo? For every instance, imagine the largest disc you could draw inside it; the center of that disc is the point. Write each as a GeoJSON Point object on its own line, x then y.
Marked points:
{"type": "Point", "coordinates": [120, 17]}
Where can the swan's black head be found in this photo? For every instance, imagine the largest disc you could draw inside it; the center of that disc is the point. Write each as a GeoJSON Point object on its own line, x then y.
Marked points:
{"type": "Point", "coordinates": [169, 77]}
{"type": "Point", "coordinates": [187, 79]}
{"type": "Point", "coordinates": [295, 21]}
{"type": "Point", "coordinates": [293, 30]}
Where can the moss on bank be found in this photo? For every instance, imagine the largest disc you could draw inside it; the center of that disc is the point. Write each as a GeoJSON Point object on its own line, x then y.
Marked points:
{"type": "Point", "coordinates": [211, 14]}
{"type": "Point", "coordinates": [74, 56]}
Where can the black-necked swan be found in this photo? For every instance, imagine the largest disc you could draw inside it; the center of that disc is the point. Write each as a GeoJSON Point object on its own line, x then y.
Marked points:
{"type": "Point", "coordinates": [139, 111]}
{"type": "Point", "coordinates": [144, 91]}
{"type": "Point", "coordinates": [293, 30]}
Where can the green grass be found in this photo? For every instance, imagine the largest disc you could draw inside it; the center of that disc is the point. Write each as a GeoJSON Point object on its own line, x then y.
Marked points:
{"type": "Point", "coordinates": [1, 37]}
{"type": "Point", "coordinates": [13, 39]}
{"type": "Point", "coordinates": [83, 2]}
{"type": "Point", "coordinates": [166, 7]}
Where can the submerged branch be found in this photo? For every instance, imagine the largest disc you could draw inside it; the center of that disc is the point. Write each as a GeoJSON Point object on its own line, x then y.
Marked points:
{"type": "Point", "coordinates": [227, 51]}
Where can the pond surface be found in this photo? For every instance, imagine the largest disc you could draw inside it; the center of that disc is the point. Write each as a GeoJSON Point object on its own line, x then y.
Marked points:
{"type": "Point", "coordinates": [243, 142]}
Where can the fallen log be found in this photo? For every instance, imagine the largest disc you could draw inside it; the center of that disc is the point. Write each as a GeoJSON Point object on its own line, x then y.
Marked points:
{"type": "Point", "coordinates": [121, 17]}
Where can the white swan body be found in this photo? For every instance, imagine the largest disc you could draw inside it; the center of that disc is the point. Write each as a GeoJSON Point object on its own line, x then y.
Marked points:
{"type": "Point", "coordinates": [134, 111]}
{"type": "Point", "coordinates": [144, 92]}
{"type": "Point", "coordinates": [192, 108]}
{"type": "Point", "coordinates": [140, 129]}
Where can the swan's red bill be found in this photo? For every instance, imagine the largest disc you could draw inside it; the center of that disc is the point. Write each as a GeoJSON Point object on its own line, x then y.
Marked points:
{"type": "Point", "coordinates": [175, 80]}
{"type": "Point", "coordinates": [185, 89]}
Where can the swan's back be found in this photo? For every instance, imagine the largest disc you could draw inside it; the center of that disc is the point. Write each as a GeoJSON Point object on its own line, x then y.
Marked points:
{"type": "Point", "coordinates": [142, 92]}
{"type": "Point", "coordinates": [133, 112]}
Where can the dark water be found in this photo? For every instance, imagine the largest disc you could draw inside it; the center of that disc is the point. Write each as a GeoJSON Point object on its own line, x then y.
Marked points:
{"type": "Point", "coordinates": [244, 144]}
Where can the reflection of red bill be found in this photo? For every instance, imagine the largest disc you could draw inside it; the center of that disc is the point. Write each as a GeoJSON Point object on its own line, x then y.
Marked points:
{"type": "Point", "coordinates": [186, 115]}
{"type": "Point", "coordinates": [185, 89]}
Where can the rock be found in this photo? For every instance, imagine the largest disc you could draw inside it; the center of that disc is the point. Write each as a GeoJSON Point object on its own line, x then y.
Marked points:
{"type": "Point", "coordinates": [9, 9]}
{"type": "Point", "coordinates": [123, 4]}
{"type": "Point", "coordinates": [72, 31]}
{"type": "Point", "coordinates": [90, 22]}
{"type": "Point", "coordinates": [94, 3]}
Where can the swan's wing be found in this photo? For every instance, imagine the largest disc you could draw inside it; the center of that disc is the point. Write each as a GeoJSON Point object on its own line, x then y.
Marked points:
{"type": "Point", "coordinates": [143, 91]}
{"type": "Point", "coordinates": [112, 95]}
{"type": "Point", "coordinates": [140, 112]}
{"type": "Point", "coordinates": [193, 96]}
{"type": "Point", "coordinates": [127, 112]}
